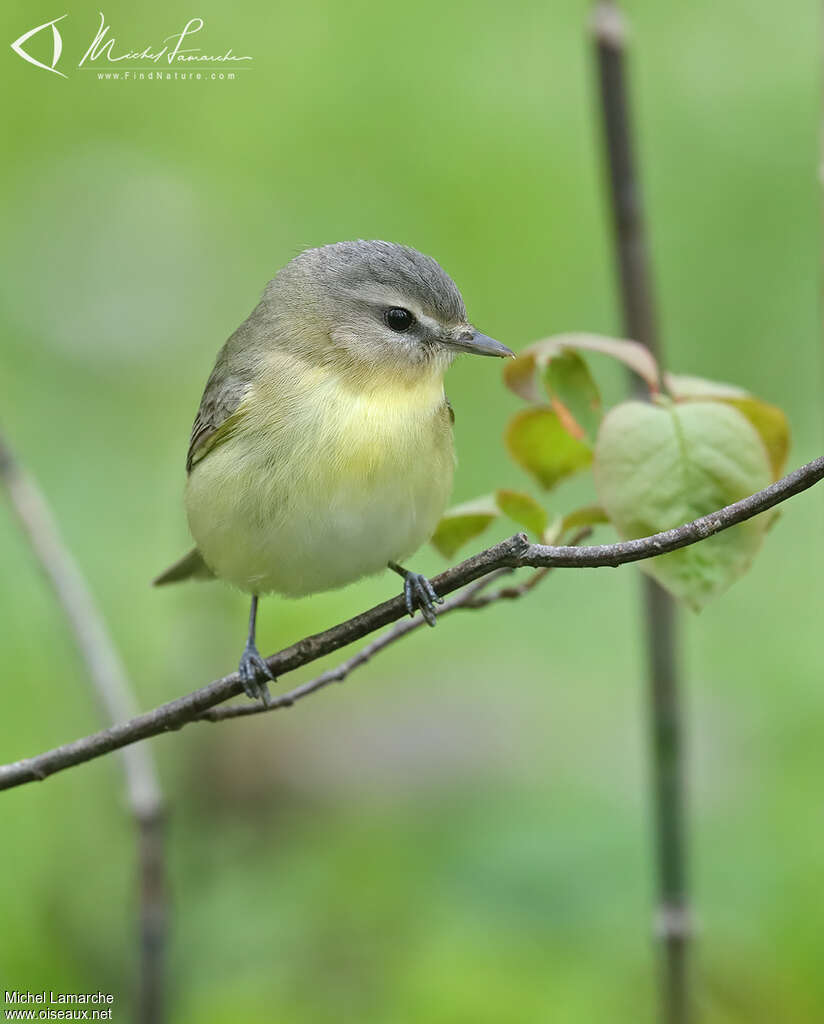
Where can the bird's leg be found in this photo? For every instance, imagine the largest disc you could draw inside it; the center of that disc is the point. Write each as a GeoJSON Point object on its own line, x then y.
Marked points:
{"type": "Point", "coordinates": [253, 670]}
{"type": "Point", "coordinates": [418, 592]}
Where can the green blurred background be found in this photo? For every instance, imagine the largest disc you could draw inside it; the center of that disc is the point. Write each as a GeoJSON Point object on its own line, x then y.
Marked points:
{"type": "Point", "coordinates": [461, 833]}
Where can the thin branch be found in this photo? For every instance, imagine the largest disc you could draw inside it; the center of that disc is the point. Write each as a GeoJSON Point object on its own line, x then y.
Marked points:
{"type": "Point", "coordinates": [468, 598]}
{"type": "Point", "coordinates": [637, 290]}
{"type": "Point", "coordinates": [510, 593]}
{"type": "Point", "coordinates": [514, 553]}
{"type": "Point", "coordinates": [108, 679]}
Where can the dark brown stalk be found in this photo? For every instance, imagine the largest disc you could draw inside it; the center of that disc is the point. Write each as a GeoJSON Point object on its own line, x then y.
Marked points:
{"type": "Point", "coordinates": [632, 259]}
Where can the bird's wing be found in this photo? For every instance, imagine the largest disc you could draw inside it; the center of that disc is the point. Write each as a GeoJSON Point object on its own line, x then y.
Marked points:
{"type": "Point", "coordinates": [219, 409]}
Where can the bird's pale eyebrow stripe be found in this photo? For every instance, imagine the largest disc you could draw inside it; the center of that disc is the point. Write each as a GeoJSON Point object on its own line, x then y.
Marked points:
{"type": "Point", "coordinates": [383, 295]}
{"type": "Point", "coordinates": [429, 322]}
{"type": "Point", "coordinates": [387, 297]}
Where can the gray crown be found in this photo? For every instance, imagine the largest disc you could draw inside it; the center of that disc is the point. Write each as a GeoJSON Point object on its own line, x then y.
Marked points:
{"type": "Point", "coordinates": [349, 265]}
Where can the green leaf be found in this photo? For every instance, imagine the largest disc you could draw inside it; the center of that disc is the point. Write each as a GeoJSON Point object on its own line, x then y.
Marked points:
{"type": "Point", "coordinates": [539, 443]}
{"type": "Point", "coordinates": [519, 376]}
{"type": "Point", "coordinates": [553, 533]}
{"type": "Point", "coordinates": [683, 386]}
{"type": "Point", "coordinates": [519, 373]}
{"type": "Point", "coordinates": [523, 509]}
{"type": "Point", "coordinates": [632, 354]}
{"type": "Point", "coordinates": [658, 466]}
{"type": "Point", "coordinates": [772, 426]}
{"type": "Point", "coordinates": [768, 420]}
{"type": "Point", "coordinates": [574, 394]}
{"type": "Point", "coordinates": [463, 523]}
{"type": "Point", "coordinates": [588, 515]}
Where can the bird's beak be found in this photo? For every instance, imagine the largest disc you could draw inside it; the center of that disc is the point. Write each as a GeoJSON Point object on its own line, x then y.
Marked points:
{"type": "Point", "coordinates": [473, 341]}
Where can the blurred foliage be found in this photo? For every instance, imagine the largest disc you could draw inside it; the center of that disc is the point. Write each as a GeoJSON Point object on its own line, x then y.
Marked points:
{"type": "Point", "coordinates": [461, 832]}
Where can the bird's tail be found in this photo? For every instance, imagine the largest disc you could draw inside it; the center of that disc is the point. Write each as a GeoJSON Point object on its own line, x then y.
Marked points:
{"type": "Point", "coordinates": [190, 567]}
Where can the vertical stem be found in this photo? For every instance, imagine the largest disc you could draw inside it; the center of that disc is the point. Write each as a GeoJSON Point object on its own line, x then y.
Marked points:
{"type": "Point", "coordinates": [672, 924]}
{"type": "Point", "coordinates": [636, 287]}
{"type": "Point", "coordinates": [153, 900]}
{"type": "Point", "coordinates": [111, 685]}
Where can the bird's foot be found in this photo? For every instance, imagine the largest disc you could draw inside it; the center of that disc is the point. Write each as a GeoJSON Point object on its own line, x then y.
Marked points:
{"type": "Point", "coordinates": [255, 674]}
{"type": "Point", "coordinates": [419, 593]}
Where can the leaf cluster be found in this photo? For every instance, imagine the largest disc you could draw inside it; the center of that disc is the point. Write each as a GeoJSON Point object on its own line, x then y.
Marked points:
{"type": "Point", "coordinates": [691, 448]}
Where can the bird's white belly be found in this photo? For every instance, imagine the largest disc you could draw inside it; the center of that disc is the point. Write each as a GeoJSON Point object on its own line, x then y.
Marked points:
{"type": "Point", "coordinates": [317, 509]}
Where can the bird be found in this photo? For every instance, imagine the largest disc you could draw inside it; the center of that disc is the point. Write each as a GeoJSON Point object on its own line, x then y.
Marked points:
{"type": "Point", "coordinates": [322, 450]}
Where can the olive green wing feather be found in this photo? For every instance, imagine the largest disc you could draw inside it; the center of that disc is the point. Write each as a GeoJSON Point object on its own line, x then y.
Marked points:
{"type": "Point", "coordinates": [215, 420]}
{"type": "Point", "coordinates": [218, 413]}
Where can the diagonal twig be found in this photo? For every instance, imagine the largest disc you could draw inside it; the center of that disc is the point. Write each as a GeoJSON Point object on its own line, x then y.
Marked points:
{"type": "Point", "coordinates": [516, 552]}
{"type": "Point", "coordinates": [470, 597]}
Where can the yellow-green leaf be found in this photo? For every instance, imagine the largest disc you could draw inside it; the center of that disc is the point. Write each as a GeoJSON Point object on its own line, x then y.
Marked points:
{"type": "Point", "coordinates": [519, 376]}
{"type": "Point", "coordinates": [553, 533]}
{"type": "Point", "coordinates": [574, 394]}
{"type": "Point", "coordinates": [768, 420]}
{"type": "Point", "coordinates": [519, 373]}
{"type": "Point", "coordinates": [523, 509]}
{"type": "Point", "coordinates": [684, 386]}
{"type": "Point", "coordinates": [539, 443]}
{"type": "Point", "coordinates": [658, 466]}
{"type": "Point", "coordinates": [589, 515]}
{"type": "Point", "coordinates": [463, 523]}
{"type": "Point", "coordinates": [772, 426]}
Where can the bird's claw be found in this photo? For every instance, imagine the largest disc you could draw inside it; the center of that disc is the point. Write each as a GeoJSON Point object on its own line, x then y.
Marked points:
{"type": "Point", "coordinates": [419, 593]}
{"type": "Point", "coordinates": [255, 674]}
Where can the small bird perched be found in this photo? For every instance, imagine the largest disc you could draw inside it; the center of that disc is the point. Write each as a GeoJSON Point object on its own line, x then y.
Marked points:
{"type": "Point", "coordinates": [322, 449]}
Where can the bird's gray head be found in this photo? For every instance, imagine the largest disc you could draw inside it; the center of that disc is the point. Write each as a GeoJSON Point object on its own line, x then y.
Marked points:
{"type": "Point", "coordinates": [376, 303]}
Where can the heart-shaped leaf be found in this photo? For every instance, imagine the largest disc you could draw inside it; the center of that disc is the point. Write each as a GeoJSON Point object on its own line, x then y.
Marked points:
{"type": "Point", "coordinates": [772, 426]}
{"type": "Point", "coordinates": [539, 443]}
{"type": "Point", "coordinates": [684, 386]}
{"type": "Point", "coordinates": [658, 466]}
{"type": "Point", "coordinates": [768, 420]}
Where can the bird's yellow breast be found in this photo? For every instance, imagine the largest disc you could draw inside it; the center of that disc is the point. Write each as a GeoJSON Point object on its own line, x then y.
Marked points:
{"type": "Point", "coordinates": [328, 474]}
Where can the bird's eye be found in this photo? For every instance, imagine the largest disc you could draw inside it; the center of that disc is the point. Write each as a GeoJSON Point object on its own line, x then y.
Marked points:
{"type": "Point", "coordinates": [399, 319]}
